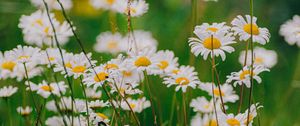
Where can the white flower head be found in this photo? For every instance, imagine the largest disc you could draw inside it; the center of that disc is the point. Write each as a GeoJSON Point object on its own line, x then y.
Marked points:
{"type": "Point", "coordinates": [290, 30]}
{"type": "Point", "coordinates": [124, 88]}
{"type": "Point", "coordinates": [267, 58]}
{"type": "Point", "coordinates": [212, 28]}
{"type": "Point", "coordinates": [242, 28]}
{"type": "Point", "coordinates": [205, 120]}
{"type": "Point", "coordinates": [211, 44]}
{"type": "Point", "coordinates": [244, 75]}
{"type": "Point", "coordinates": [98, 104]}
{"type": "Point", "coordinates": [137, 105]}
{"type": "Point", "coordinates": [166, 61]}
{"type": "Point", "coordinates": [92, 93]}
{"type": "Point", "coordinates": [99, 118]}
{"type": "Point", "coordinates": [202, 105]}
{"type": "Point", "coordinates": [26, 54]}
{"type": "Point", "coordinates": [65, 105]}
{"type": "Point", "coordinates": [32, 69]}
{"type": "Point", "coordinates": [227, 92]}
{"type": "Point", "coordinates": [105, 4]}
{"type": "Point", "coordinates": [53, 4]}
{"type": "Point", "coordinates": [185, 78]}
{"type": "Point", "coordinates": [137, 7]}
{"type": "Point", "coordinates": [45, 89]}
{"type": "Point", "coordinates": [99, 78]}
{"type": "Point", "coordinates": [7, 64]}
{"type": "Point", "coordinates": [59, 121]}
{"type": "Point", "coordinates": [139, 40]}
{"type": "Point", "coordinates": [230, 119]}
{"type": "Point", "coordinates": [252, 115]}
{"type": "Point", "coordinates": [108, 42]}
{"type": "Point", "coordinates": [7, 91]}
{"type": "Point", "coordinates": [51, 56]}
{"type": "Point", "coordinates": [24, 111]}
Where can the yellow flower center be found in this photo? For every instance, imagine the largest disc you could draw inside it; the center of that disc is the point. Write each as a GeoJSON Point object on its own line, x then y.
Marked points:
{"type": "Point", "coordinates": [259, 60]}
{"type": "Point", "coordinates": [110, 2]}
{"type": "Point", "coordinates": [23, 57]}
{"type": "Point", "coordinates": [245, 73]}
{"type": "Point", "coordinates": [255, 30]}
{"type": "Point", "coordinates": [176, 71]}
{"type": "Point", "coordinates": [250, 119]}
{"type": "Point", "coordinates": [182, 81]}
{"type": "Point", "coordinates": [112, 45]}
{"type": "Point", "coordinates": [102, 115]}
{"type": "Point", "coordinates": [79, 69]}
{"type": "Point", "coordinates": [211, 44]}
{"type": "Point", "coordinates": [127, 73]}
{"type": "Point", "coordinates": [211, 123]}
{"type": "Point", "coordinates": [163, 65]}
{"type": "Point", "coordinates": [213, 29]}
{"type": "Point", "coordinates": [8, 65]}
{"type": "Point", "coordinates": [207, 106]}
{"type": "Point", "coordinates": [233, 122]}
{"type": "Point", "coordinates": [132, 106]}
{"type": "Point", "coordinates": [142, 62]}
{"type": "Point", "coordinates": [47, 88]}
{"type": "Point", "coordinates": [46, 30]}
{"type": "Point", "coordinates": [68, 65]}
{"type": "Point", "coordinates": [111, 66]}
{"type": "Point", "coordinates": [51, 58]}
{"type": "Point", "coordinates": [39, 22]}
{"type": "Point", "coordinates": [217, 92]}
{"type": "Point", "coordinates": [132, 10]}
{"type": "Point", "coordinates": [100, 77]}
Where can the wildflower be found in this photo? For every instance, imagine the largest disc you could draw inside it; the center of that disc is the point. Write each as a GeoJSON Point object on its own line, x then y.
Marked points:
{"type": "Point", "coordinates": [166, 61]}
{"type": "Point", "coordinates": [206, 43]}
{"type": "Point", "coordinates": [290, 30]}
{"type": "Point", "coordinates": [227, 92]}
{"type": "Point", "coordinates": [139, 40]}
{"type": "Point", "coordinates": [230, 119]}
{"type": "Point", "coordinates": [51, 56]}
{"type": "Point", "coordinates": [37, 29]}
{"type": "Point", "coordinates": [7, 91]}
{"type": "Point", "coordinates": [124, 88]}
{"type": "Point", "coordinates": [32, 70]}
{"type": "Point", "coordinates": [44, 89]}
{"type": "Point", "coordinates": [244, 75]}
{"type": "Point", "coordinates": [97, 118]}
{"type": "Point", "coordinates": [243, 28]}
{"type": "Point", "coordinates": [137, 7]}
{"type": "Point", "coordinates": [92, 93]}
{"type": "Point", "coordinates": [98, 104]}
{"type": "Point", "coordinates": [65, 105]}
{"type": "Point", "coordinates": [104, 4]}
{"type": "Point", "coordinates": [183, 79]}
{"type": "Point", "coordinates": [252, 114]}
{"type": "Point", "coordinates": [24, 111]}
{"type": "Point", "coordinates": [108, 42]}
{"type": "Point", "coordinates": [205, 120]}
{"type": "Point", "coordinates": [202, 105]}
{"type": "Point", "coordinates": [26, 54]}
{"type": "Point", "coordinates": [53, 4]}
{"type": "Point", "coordinates": [212, 29]}
{"type": "Point", "coordinates": [59, 121]}
{"type": "Point", "coordinates": [97, 80]}
{"type": "Point", "coordinates": [137, 105]}
{"type": "Point", "coordinates": [267, 58]}
{"type": "Point", "coordinates": [7, 64]}
{"type": "Point", "coordinates": [129, 73]}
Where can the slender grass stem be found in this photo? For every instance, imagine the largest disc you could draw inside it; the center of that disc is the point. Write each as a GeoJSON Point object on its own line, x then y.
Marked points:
{"type": "Point", "coordinates": [86, 101]}
{"type": "Point", "coordinates": [9, 112]}
{"type": "Point", "coordinates": [184, 109]}
{"type": "Point", "coordinates": [213, 81]}
{"type": "Point", "coordinates": [172, 109]}
{"type": "Point", "coordinates": [151, 98]}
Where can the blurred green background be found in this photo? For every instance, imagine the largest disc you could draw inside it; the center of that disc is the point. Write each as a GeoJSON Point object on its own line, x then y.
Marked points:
{"type": "Point", "coordinates": [172, 22]}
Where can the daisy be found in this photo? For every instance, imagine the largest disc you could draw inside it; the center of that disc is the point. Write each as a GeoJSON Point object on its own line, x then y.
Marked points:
{"type": "Point", "coordinates": [244, 75]}
{"type": "Point", "coordinates": [137, 105]}
{"type": "Point", "coordinates": [105, 4]}
{"type": "Point", "coordinates": [205, 120]}
{"type": "Point", "coordinates": [201, 104]}
{"type": "Point", "coordinates": [108, 42]}
{"type": "Point", "coordinates": [114, 64]}
{"type": "Point", "coordinates": [98, 104]}
{"type": "Point", "coordinates": [242, 28]}
{"type": "Point", "coordinates": [7, 91]}
{"type": "Point", "coordinates": [290, 30]}
{"type": "Point", "coordinates": [53, 4]}
{"type": "Point", "coordinates": [230, 119]}
{"type": "Point", "coordinates": [44, 89]}
{"type": "Point", "coordinates": [166, 61]}
{"type": "Point", "coordinates": [24, 111]}
{"type": "Point", "coordinates": [139, 40]}
{"type": "Point", "coordinates": [144, 61]}
{"type": "Point", "coordinates": [37, 29]}
{"type": "Point", "coordinates": [65, 105]}
{"type": "Point", "coordinates": [183, 79]}
{"type": "Point", "coordinates": [212, 29]}
{"type": "Point", "coordinates": [137, 7]}
{"type": "Point", "coordinates": [207, 43]}
{"type": "Point", "coordinates": [7, 64]}
{"type": "Point", "coordinates": [92, 93]}
{"type": "Point", "coordinates": [99, 118]}
{"type": "Point", "coordinates": [124, 88]}
{"type": "Point", "coordinates": [129, 73]}
{"type": "Point", "coordinates": [32, 69]}
{"type": "Point", "coordinates": [51, 56]}
{"type": "Point", "coordinates": [103, 75]}
{"type": "Point", "coordinates": [227, 92]}
{"type": "Point", "coordinates": [59, 121]}
{"type": "Point", "coordinates": [252, 114]}
{"type": "Point", "coordinates": [68, 58]}
{"type": "Point", "coordinates": [26, 54]}
{"type": "Point", "coordinates": [267, 58]}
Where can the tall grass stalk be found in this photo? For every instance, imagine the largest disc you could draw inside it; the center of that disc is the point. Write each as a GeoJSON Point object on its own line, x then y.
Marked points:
{"type": "Point", "coordinates": [213, 80]}
{"type": "Point", "coordinates": [147, 84]}
{"type": "Point", "coordinates": [86, 101]}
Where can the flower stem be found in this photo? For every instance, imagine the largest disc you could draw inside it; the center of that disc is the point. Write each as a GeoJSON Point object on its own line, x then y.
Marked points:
{"type": "Point", "coordinates": [184, 109]}
{"type": "Point", "coordinates": [172, 109]}
{"type": "Point", "coordinates": [213, 81]}
{"type": "Point", "coordinates": [9, 112]}
{"type": "Point", "coordinates": [151, 98]}
{"type": "Point", "coordinates": [86, 101]}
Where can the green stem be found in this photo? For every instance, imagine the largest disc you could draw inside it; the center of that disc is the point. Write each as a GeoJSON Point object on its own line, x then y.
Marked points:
{"type": "Point", "coordinates": [9, 112]}
{"type": "Point", "coordinates": [86, 101]}
{"type": "Point", "coordinates": [184, 109]}
{"type": "Point", "coordinates": [172, 109]}
{"type": "Point", "coordinates": [151, 98]}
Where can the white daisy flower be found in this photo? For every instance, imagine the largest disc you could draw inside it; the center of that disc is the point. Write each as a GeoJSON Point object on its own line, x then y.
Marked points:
{"type": "Point", "coordinates": [166, 61]}
{"type": "Point", "coordinates": [26, 54]}
{"type": "Point", "coordinates": [7, 64]}
{"type": "Point", "coordinates": [129, 73]}
{"type": "Point", "coordinates": [32, 70]}
{"type": "Point", "coordinates": [104, 4]}
{"type": "Point", "coordinates": [99, 118]}
{"type": "Point", "coordinates": [114, 64]}
{"type": "Point", "coordinates": [137, 105]}
{"type": "Point", "coordinates": [98, 104]}
{"type": "Point", "coordinates": [37, 29]}
{"type": "Point", "coordinates": [137, 7]}
{"type": "Point", "coordinates": [227, 92]}
{"type": "Point", "coordinates": [244, 75]}
{"type": "Point", "coordinates": [205, 120]}
{"type": "Point", "coordinates": [98, 80]}
{"type": "Point", "coordinates": [267, 58]}
{"type": "Point", "coordinates": [92, 93]}
{"type": "Point", "coordinates": [124, 88]}
{"type": "Point", "coordinates": [252, 114]}
{"type": "Point", "coordinates": [230, 119]}
{"type": "Point", "coordinates": [242, 28]}
{"type": "Point", "coordinates": [24, 111]}
{"type": "Point", "coordinates": [59, 121]}
{"type": "Point", "coordinates": [44, 89]}
{"type": "Point", "coordinates": [7, 91]}
{"type": "Point", "coordinates": [290, 30]}
{"type": "Point", "coordinates": [139, 40]}
{"type": "Point", "coordinates": [68, 58]}
{"type": "Point", "coordinates": [108, 42]}
{"type": "Point", "coordinates": [183, 79]}
{"type": "Point", "coordinates": [51, 56]}
{"type": "Point", "coordinates": [65, 105]}
{"type": "Point", "coordinates": [144, 61]}
{"type": "Point", "coordinates": [219, 43]}
{"type": "Point", "coordinates": [212, 29]}
{"type": "Point", "coordinates": [201, 104]}
{"type": "Point", "coordinates": [53, 4]}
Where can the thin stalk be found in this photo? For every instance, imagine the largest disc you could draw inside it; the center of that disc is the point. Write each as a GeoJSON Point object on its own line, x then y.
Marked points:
{"type": "Point", "coordinates": [184, 109]}
{"type": "Point", "coordinates": [8, 111]}
{"type": "Point", "coordinates": [151, 98]}
{"type": "Point", "coordinates": [213, 81]}
{"type": "Point", "coordinates": [172, 109]}
{"type": "Point", "coordinates": [218, 83]}
{"type": "Point", "coordinates": [252, 61]}
{"type": "Point", "coordinates": [86, 102]}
